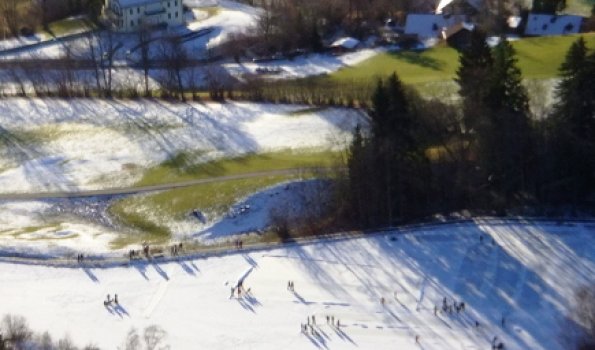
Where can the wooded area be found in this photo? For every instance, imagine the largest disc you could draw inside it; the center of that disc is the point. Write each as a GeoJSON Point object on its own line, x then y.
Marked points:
{"type": "Point", "coordinates": [489, 155]}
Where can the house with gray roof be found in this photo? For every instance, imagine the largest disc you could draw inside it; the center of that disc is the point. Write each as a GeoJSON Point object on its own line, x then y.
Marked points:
{"type": "Point", "coordinates": [131, 15]}
{"type": "Point", "coordinates": [544, 25]}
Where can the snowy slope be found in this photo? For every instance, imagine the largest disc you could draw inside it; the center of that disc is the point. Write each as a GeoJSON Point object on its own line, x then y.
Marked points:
{"type": "Point", "coordinates": [66, 227]}
{"type": "Point", "coordinates": [51, 145]}
{"type": "Point", "coordinates": [527, 274]}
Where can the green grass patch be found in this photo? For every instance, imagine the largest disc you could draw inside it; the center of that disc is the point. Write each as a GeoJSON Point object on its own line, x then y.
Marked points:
{"type": "Point", "coordinates": [18, 233]}
{"type": "Point", "coordinates": [431, 72]}
{"type": "Point", "coordinates": [69, 26]}
{"type": "Point", "coordinates": [537, 58]}
{"type": "Point", "coordinates": [579, 7]}
{"type": "Point", "coordinates": [307, 111]}
{"type": "Point", "coordinates": [413, 67]}
{"type": "Point", "coordinates": [210, 11]}
{"type": "Point", "coordinates": [185, 166]}
{"type": "Point", "coordinates": [177, 204]}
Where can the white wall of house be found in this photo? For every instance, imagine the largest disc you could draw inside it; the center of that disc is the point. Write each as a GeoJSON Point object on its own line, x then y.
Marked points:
{"type": "Point", "coordinates": [130, 15]}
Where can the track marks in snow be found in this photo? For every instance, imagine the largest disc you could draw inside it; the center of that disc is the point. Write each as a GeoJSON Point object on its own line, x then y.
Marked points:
{"type": "Point", "coordinates": [157, 297]}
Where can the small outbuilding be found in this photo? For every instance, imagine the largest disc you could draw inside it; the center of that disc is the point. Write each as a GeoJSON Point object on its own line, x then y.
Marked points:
{"type": "Point", "coordinates": [343, 45]}
{"type": "Point", "coordinates": [458, 35]}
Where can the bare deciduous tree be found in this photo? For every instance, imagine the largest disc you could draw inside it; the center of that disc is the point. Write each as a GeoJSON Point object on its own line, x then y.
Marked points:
{"type": "Point", "coordinates": [174, 58]}
{"type": "Point", "coordinates": [16, 331]}
{"type": "Point", "coordinates": [154, 337]}
{"type": "Point", "coordinates": [144, 46]}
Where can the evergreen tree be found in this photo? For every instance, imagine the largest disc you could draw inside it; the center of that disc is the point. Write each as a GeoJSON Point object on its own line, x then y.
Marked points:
{"type": "Point", "coordinates": [358, 177]}
{"type": "Point", "coordinates": [315, 39]}
{"type": "Point", "coordinates": [380, 109]}
{"type": "Point", "coordinates": [475, 63]}
{"type": "Point", "coordinates": [505, 137]}
{"type": "Point", "coordinates": [575, 104]}
{"type": "Point", "coordinates": [392, 161]}
{"type": "Point", "coordinates": [573, 127]}
{"type": "Point", "coordinates": [398, 121]}
{"type": "Point", "coordinates": [548, 6]}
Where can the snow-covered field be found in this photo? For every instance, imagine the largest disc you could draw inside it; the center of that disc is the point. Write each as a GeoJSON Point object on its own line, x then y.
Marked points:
{"type": "Point", "coordinates": [58, 145]}
{"type": "Point", "coordinates": [304, 66]}
{"type": "Point", "coordinates": [70, 145]}
{"type": "Point", "coordinates": [66, 227]}
{"type": "Point", "coordinates": [525, 273]}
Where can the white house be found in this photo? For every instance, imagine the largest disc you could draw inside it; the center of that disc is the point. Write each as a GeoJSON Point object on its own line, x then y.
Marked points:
{"type": "Point", "coordinates": [427, 26]}
{"type": "Point", "coordinates": [130, 15]}
{"type": "Point", "coordinates": [538, 24]}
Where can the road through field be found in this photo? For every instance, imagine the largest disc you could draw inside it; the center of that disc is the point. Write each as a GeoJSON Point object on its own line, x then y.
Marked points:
{"type": "Point", "coordinates": [153, 188]}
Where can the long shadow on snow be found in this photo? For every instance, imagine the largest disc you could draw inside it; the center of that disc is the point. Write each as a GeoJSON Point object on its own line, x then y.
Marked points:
{"type": "Point", "coordinates": [485, 276]}
{"type": "Point", "coordinates": [222, 131]}
{"type": "Point", "coordinates": [492, 282]}
{"type": "Point", "coordinates": [39, 168]}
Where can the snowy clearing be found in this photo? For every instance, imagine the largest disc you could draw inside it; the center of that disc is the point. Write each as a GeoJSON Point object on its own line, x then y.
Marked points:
{"type": "Point", "coordinates": [70, 145]}
{"type": "Point", "coordinates": [66, 227]}
{"type": "Point", "coordinates": [304, 66]}
{"type": "Point", "coordinates": [526, 274]}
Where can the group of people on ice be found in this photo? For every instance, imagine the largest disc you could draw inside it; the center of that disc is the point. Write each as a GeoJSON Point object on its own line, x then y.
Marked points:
{"type": "Point", "coordinates": [239, 289]}
{"type": "Point", "coordinates": [290, 286]}
{"type": "Point", "coordinates": [311, 324]}
{"type": "Point", "coordinates": [448, 308]}
{"type": "Point", "coordinates": [109, 300]}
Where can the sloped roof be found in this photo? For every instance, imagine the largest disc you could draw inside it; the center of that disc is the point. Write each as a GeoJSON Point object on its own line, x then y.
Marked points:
{"type": "Point", "coordinates": [133, 3]}
{"type": "Point", "coordinates": [429, 26]}
{"type": "Point", "coordinates": [443, 3]}
{"type": "Point", "coordinates": [514, 21]}
{"type": "Point", "coordinates": [538, 24]}
{"type": "Point", "coordinates": [452, 30]}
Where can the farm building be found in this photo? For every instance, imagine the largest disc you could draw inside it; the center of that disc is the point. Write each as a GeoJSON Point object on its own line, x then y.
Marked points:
{"type": "Point", "coordinates": [427, 26]}
{"type": "Point", "coordinates": [131, 15]}
{"type": "Point", "coordinates": [458, 35]}
{"type": "Point", "coordinates": [343, 45]}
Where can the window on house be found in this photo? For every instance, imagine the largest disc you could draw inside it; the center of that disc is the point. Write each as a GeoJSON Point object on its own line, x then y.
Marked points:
{"type": "Point", "coordinates": [131, 11]}
{"type": "Point", "coordinates": [169, 15]}
{"type": "Point", "coordinates": [132, 23]}
{"type": "Point", "coordinates": [138, 10]}
{"type": "Point", "coordinates": [176, 14]}
{"type": "Point", "coordinates": [176, 3]}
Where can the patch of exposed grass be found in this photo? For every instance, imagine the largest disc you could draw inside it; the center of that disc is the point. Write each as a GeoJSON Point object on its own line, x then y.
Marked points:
{"type": "Point", "coordinates": [184, 166]}
{"type": "Point", "coordinates": [212, 10]}
{"type": "Point", "coordinates": [70, 25]}
{"type": "Point", "coordinates": [19, 232]}
{"type": "Point", "coordinates": [413, 67]}
{"type": "Point", "coordinates": [579, 7]}
{"type": "Point", "coordinates": [307, 111]}
{"type": "Point", "coordinates": [168, 206]}
{"type": "Point", "coordinates": [537, 58]}
{"type": "Point", "coordinates": [143, 228]}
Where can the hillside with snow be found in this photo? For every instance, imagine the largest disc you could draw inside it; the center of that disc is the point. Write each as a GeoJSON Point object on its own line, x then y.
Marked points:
{"type": "Point", "coordinates": [81, 144]}
{"type": "Point", "coordinates": [516, 279]}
